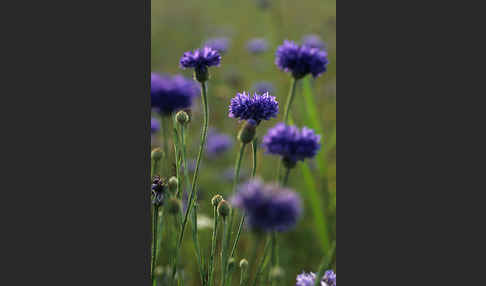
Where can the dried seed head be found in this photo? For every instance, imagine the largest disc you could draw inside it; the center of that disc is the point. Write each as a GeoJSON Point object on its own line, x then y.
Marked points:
{"type": "Point", "coordinates": [243, 263]}
{"type": "Point", "coordinates": [182, 117]}
{"type": "Point", "coordinates": [231, 264]}
{"type": "Point", "coordinates": [173, 182]}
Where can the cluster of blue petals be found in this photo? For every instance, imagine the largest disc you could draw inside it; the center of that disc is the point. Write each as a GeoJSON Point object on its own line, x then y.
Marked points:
{"type": "Point", "coordinates": [308, 279]}
{"type": "Point", "coordinates": [301, 60]}
{"type": "Point", "coordinates": [172, 93]}
{"type": "Point", "coordinates": [291, 143]}
{"type": "Point", "coordinates": [200, 59]}
{"type": "Point", "coordinates": [268, 207]}
{"type": "Point", "coordinates": [257, 107]}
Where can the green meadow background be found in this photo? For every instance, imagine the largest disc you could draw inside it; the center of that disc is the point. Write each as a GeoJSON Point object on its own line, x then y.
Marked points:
{"type": "Point", "coordinates": [179, 26]}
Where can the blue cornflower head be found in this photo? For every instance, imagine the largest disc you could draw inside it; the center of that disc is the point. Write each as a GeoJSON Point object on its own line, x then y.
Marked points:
{"type": "Point", "coordinates": [301, 60]}
{"type": "Point", "coordinates": [313, 41]}
{"type": "Point", "coordinates": [263, 87]}
{"type": "Point", "coordinates": [257, 107]}
{"type": "Point", "coordinates": [219, 44]}
{"type": "Point", "coordinates": [217, 143]}
{"type": "Point", "coordinates": [171, 94]}
{"type": "Point", "coordinates": [200, 60]}
{"type": "Point", "coordinates": [155, 125]}
{"type": "Point", "coordinates": [291, 143]}
{"type": "Point", "coordinates": [257, 46]}
{"type": "Point", "coordinates": [267, 206]}
{"type": "Point", "coordinates": [308, 279]}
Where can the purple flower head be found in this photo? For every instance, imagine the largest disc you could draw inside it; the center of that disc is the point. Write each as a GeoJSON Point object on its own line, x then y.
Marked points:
{"type": "Point", "coordinates": [268, 207]}
{"type": "Point", "coordinates": [308, 279]}
{"type": "Point", "coordinates": [217, 143]}
{"type": "Point", "coordinates": [313, 41]}
{"type": "Point", "coordinates": [219, 44]}
{"type": "Point", "coordinates": [155, 125]}
{"type": "Point", "coordinates": [257, 46]}
{"type": "Point", "coordinates": [170, 94]}
{"type": "Point", "coordinates": [257, 107]}
{"type": "Point", "coordinates": [291, 143]}
{"type": "Point", "coordinates": [301, 60]}
{"type": "Point", "coordinates": [200, 59]}
{"type": "Point", "coordinates": [263, 87]}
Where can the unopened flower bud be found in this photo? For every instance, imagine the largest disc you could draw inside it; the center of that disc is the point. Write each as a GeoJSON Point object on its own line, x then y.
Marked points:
{"type": "Point", "coordinates": [172, 183]}
{"type": "Point", "coordinates": [174, 205]}
{"type": "Point", "coordinates": [244, 263]}
{"type": "Point", "coordinates": [157, 154]}
{"type": "Point", "coordinates": [215, 200]}
{"type": "Point", "coordinates": [276, 273]}
{"type": "Point", "coordinates": [231, 264]}
{"type": "Point", "coordinates": [182, 117]}
{"type": "Point", "coordinates": [247, 131]}
{"type": "Point", "coordinates": [223, 209]}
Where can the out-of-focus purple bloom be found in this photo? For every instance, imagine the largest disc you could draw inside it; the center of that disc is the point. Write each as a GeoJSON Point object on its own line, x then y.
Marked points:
{"type": "Point", "coordinates": [301, 60]}
{"type": "Point", "coordinates": [268, 207]}
{"type": "Point", "coordinates": [219, 44]}
{"type": "Point", "coordinates": [313, 41]}
{"type": "Point", "coordinates": [155, 125]}
{"type": "Point", "coordinates": [330, 278]}
{"type": "Point", "coordinates": [200, 59]}
{"type": "Point", "coordinates": [170, 94]}
{"type": "Point", "coordinates": [256, 107]}
{"type": "Point", "coordinates": [257, 46]}
{"type": "Point", "coordinates": [291, 143]}
{"type": "Point", "coordinates": [263, 87]}
{"type": "Point", "coordinates": [217, 143]}
{"type": "Point", "coordinates": [308, 279]}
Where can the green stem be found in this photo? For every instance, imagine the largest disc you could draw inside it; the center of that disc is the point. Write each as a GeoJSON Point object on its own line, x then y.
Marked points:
{"type": "Point", "coordinates": [224, 255]}
{"type": "Point", "coordinates": [239, 159]}
{"type": "Point", "coordinates": [262, 264]}
{"type": "Point", "coordinates": [204, 134]}
{"type": "Point", "coordinates": [243, 276]}
{"type": "Point", "coordinates": [242, 221]}
{"type": "Point", "coordinates": [290, 99]}
{"type": "Point", "coordinates": [326, 261]}
{"type": "Point", "coordinates": [198, 161]}
{"type": "Point", "coordinates": [165, 143]}
{"type": "Point", "coordinates": [254, 146]}
{"type": "Point", "coordinates": [154, 242]}
{"type": "Point", "coordinates": [213, 247]}
{"type": "Point", "coordinates": [177, 151]}
{"type": "Point", "coordinates": [286, 177]}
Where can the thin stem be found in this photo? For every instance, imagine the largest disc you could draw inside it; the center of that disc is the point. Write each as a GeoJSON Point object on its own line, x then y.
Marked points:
{"type": "Point", "coordinates": [204, 134]}
{"type": "Point", "coordinates": [154, 242]}
{"type": "Point", "coordinates": [242, 221]}
{"type": "Point", "coordinates": [177, 151]}
{"type": "Point", "coordinates": [213, 247]}
{"type": "Point", "coordinates": [326, 261]}
{"type": "Point", "coordinates": [254, 146]}
{"type": "Point", "coordinates": [198, 161]}
{"type": "Point", "coordinates": [224, 255]}
{"type": "Point", "coordinates": [165, 143]}
{"type": "Point", "coordinates": [274, 256]}
{"type": "Point", "coordinates": [261, 266]}
{"type": "Point", "coordinates": [286, 177]}
{"type": "Point", "coordinates": [290, 99]}
{"type": "Point", "coordinates": [239, 159]}
{"type": "Point", "coordinates": [243, 276]}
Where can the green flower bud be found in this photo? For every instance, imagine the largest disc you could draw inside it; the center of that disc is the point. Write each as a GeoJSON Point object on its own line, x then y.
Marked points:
{"type": "Point", "coordinates": [215, 200]}
{"type": "Point", "coordinates": [247, 131]}
{"type": "Point", "coordinates": [231, 264]}
{"type": "Point", "coordinates": [223, 208]}
{"type": "Point", "coordinates": [244, 263]}
{"type": "Point", "coordinates": [182, 117]}
{"type": "Point", "coordinates": [172, 183]}
{"type": "Point", "coordinates": [276, 273]}
{"type": "Point", "coordinates": [157, 154]}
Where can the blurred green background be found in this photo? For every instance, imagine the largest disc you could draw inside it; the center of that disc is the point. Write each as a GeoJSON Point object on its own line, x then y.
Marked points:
{"type": "Point", "coordinates": [179, 26]}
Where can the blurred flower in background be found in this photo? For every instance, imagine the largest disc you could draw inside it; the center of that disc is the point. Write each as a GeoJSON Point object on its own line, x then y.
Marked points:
{"type": "Point", "coordinates": [217, 143]}
{"type": "Point", "coordinates": [268, 207]}
{"type": "Point", "coordinates": [263, 87]}
{"type": "Point", "coordinates": [155, 125]}
{"type": "Point", "coordinates": [220, 44]}
{"type": "Point", "coordinates": [313, 41]}
{"type": "Point", "coordinates": [257, 46]}
{"type": "Point", "coordinates": [172, 93]}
